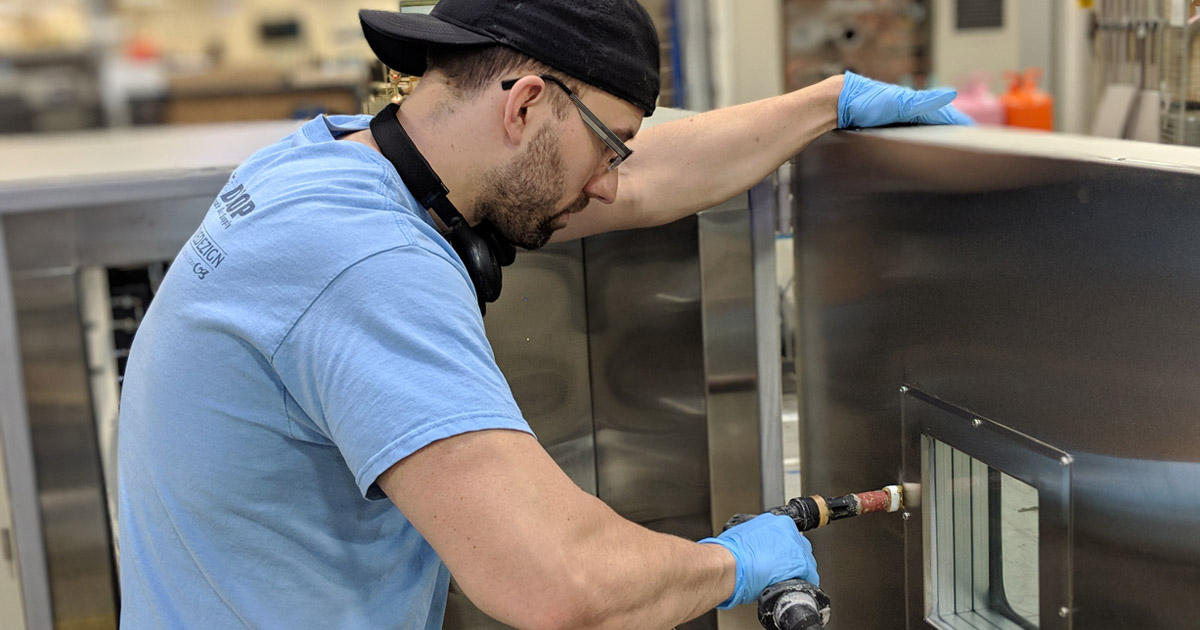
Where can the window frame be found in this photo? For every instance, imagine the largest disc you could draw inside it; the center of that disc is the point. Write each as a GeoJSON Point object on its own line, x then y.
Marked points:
{"type": "Point", "coordinates": [928, 420]}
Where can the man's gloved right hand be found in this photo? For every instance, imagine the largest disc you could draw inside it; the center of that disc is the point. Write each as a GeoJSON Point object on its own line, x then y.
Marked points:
{"type": "Point", "coordinates": [768, 549]}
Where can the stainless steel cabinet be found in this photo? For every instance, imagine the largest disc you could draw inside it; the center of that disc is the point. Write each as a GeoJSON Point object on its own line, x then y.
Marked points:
{"type": "Point", "coordinates": [1045, 286]}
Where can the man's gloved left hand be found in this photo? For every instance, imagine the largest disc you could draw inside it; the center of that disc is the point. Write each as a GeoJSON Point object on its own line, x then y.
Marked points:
{"type": "Point", "coordinates": [767, 549]}
{"type": "Point", "coordinates": [868, 103]}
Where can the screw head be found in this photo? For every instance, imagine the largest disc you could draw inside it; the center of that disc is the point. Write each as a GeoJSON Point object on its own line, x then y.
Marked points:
{"type": "Point", "coordinates": [1064, 612]}
{"type": "Point", "coordinates": [905, 515]}
{"type": "Point", "coordinates": [976, 423]}
{"type": "Point", "coordinates": [1065, 460]}
{"type": "Point", "coordinates": [903, 389]}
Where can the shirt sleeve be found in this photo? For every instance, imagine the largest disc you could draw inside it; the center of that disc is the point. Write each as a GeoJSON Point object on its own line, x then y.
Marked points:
{"type": "Point", "coordinates": [391, 357]}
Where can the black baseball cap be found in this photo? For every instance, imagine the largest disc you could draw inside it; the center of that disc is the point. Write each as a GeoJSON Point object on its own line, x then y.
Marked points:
{"type": "Point", "coordinates": [608, 44]}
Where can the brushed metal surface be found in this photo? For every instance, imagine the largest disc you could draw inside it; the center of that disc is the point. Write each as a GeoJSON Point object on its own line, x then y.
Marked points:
{"type": "Point", "coordinates": [20, 471]}
{"type": "Point", "coordinates": [538, 331]}
{"type": "Point", "coordinates": [1054, 295]}
{"type": "Point", "coordinates": [103, 235]}
{"type": "Point", "coordinates": [731, 365]}
{"type": "Point", "coordinates": [74, 516]}
{"type": "Point", "coordinates": [763, 201]}
{"type": "Point", "coordinates": [742, 364]}
{"type": "Point", "coordinates": [647, 376]}
{"type": "Point", "coordinates": [648, 385]}
{"type": "Point", "coordinates": [741, 341]}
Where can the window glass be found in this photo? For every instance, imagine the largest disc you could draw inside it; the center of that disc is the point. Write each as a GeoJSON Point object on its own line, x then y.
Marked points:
{"type": "Point", "coordinates": [983, 535]}
{"type": "Point", "coordinates": [1019, 548]}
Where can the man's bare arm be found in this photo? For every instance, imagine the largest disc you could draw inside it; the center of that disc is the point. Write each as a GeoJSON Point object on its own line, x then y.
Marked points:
{"type": "Point", "coordinates": [534, 551]}
{"type": "Point", "coordinates": [687, 165]}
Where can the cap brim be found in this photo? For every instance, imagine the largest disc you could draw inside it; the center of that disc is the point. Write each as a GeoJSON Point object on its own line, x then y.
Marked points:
{"type": "Point", "coordinates": [400, 40]}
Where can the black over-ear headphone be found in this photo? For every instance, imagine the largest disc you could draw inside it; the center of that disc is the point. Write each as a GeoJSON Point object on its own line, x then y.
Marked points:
{"type": "Point", "coordinates": [483, 249]}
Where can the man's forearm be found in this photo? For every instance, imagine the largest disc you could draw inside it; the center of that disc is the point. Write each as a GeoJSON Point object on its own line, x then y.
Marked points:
{"type": "Point", "coordinates": [598, 571]}
{"type": "Point", "coordinates": [687, 165]}
{"type": "Point", "coordinates": [644, 579]}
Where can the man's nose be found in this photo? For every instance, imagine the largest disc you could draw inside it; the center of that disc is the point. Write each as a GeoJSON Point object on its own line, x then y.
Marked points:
{"type": "Point", "coordinates": [602, 186]}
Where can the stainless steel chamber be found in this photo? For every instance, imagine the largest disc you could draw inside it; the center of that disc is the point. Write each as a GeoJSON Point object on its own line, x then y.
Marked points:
{"type": "Point", "coordinates": [1011, 319]}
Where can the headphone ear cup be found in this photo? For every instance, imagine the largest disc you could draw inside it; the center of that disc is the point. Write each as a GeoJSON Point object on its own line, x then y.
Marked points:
{"type": "Point", "coordinates": [481, 263]}
{"type": "Point", "coordinates": [504, 251]}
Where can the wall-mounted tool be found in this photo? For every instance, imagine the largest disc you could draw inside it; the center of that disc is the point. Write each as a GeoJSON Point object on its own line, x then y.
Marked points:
{"type": "Point", "coordinates": [1128, 43]}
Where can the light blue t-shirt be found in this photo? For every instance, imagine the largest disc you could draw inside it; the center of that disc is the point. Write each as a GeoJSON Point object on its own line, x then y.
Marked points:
{"type": "Point", "coordinates": [315, 330]}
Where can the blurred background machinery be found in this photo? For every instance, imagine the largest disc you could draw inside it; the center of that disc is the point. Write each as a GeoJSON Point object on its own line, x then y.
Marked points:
{"type": "Point", "coordinates": [75, 64]}
{"type": "Point", "coordinates": [1147, 71]}
{"type": "Point", "coordinates": [889, 41]}
{"type": "Point", "coordinates": [1181, 74]}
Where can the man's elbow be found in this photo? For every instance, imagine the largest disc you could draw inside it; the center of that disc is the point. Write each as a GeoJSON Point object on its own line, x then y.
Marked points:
{"type": "Point", "coordinates": [569, 601]}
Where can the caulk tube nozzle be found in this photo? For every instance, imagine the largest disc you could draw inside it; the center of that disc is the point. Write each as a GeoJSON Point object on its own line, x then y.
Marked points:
{"type": "Point", "coordinates": [895, 497]}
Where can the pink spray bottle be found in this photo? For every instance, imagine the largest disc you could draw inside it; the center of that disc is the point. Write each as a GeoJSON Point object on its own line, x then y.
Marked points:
{"type": "Point", "coordinates": [978, 102]}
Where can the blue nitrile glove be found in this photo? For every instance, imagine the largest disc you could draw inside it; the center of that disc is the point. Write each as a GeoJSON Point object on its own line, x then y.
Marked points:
{"type": "Point", "coordinates": [868, 103]}
{"type": "Point", "coordinates": [768, 549]}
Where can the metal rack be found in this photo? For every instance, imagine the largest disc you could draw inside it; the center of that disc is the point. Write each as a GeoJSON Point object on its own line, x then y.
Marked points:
{"type": "Point", "coordinates": [1148, 70]}
{"type": "Point", "coordinates": [1128, 31]}
{"type": "Point", "coordinates": [1181, 74]}
{"type": "Point", "coordinates": [1128, 43]}
{"type": "Point", "coordinates": [50, 90]}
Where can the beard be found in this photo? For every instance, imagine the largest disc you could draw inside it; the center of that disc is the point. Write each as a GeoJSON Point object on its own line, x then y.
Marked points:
{"type": "Point", "coordinates": [520, 198]}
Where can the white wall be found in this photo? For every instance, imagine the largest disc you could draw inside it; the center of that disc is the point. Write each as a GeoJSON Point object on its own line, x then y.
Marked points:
{"type": "Point", "coordinates": [747, 50]}
{"type": "Point", "coordinates": [1074, 95]}
{"type": "Point", "coordinates": [956, 54]}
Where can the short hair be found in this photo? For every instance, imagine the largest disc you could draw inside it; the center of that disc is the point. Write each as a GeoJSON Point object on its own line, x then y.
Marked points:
{"type": "Point", "coordinates": [469, 70]}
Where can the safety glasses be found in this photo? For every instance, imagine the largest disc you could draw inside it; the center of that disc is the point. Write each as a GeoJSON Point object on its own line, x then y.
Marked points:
{"type": "Point", "coordinates": [606, 135]}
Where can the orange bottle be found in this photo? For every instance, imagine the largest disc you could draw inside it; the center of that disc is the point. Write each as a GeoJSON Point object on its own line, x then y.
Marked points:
{"type": "Point", "coordinates": [1025, 105]}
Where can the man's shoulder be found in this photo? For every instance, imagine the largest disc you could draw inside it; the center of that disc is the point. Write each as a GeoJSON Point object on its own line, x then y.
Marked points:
{"type": "Point", "coordinates": [320, 162]}
{"type": "Point", "coordinates": [339, 188]}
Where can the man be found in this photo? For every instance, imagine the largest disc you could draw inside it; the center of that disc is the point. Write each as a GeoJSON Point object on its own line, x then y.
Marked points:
{"type": "Point", "coordinates": [318, 347]}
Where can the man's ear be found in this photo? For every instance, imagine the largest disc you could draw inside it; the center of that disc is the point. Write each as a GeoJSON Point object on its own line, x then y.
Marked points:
{"type": "Point", "coordinates": [525, 93]}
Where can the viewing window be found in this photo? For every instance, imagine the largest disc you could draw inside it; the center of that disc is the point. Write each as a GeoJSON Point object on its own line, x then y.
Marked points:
{"type": "Point", "coordinates": [991, 547]}
{"type": "Point", "coordinates": [984, 544]}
